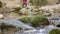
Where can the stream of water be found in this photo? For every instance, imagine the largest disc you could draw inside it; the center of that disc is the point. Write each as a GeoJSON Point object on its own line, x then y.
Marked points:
{"type": "Point", "coordinates": [40, 31]}
{"type": "Point", "coordinates": [33, 31]}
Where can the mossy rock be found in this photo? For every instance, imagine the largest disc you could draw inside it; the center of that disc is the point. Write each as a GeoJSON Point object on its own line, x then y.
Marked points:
{"type": "Point", "coordinates": [35, 21]}
{"type": "Point", "coordinates": [54, 31]}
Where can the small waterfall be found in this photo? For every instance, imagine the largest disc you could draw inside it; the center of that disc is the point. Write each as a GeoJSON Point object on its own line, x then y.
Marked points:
{"type": "Point", "coordinates": [41, 31]}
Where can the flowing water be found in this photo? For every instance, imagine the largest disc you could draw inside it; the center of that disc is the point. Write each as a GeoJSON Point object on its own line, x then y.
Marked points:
{"type": "Point", "coordinates": [40, 31]}
{"type": "Point", "coordinates": [34, 31]}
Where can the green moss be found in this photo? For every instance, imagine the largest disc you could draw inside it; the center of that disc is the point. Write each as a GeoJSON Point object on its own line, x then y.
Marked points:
{"type": "Point", "coordinates": [24, 19]}
{"type": "Point", "coordinates": [35, 21]}
{"type": "Point", "coordinates": [39, 2]}
{"type": "Point", "coordinates": [54, 31]}
{"type": "Point", "coordinates": [7, 27]}
{"type": "Point", "coordinates": [17, 9]}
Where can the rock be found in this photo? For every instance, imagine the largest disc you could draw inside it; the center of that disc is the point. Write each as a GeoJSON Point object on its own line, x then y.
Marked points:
{"type": "Point", "coordinates": [24, 11]}
{"type": "Point", "coordinates": [1, 16]}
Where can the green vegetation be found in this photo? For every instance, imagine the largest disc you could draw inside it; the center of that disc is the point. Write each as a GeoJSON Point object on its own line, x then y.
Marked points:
{"type": "Point", "coordinates": [39, 2]}
{"type": "Point", "coordinates": [36, 21]}
{"type": "Point", "coordinates": [6, 27]}
{"type": "Point", "coordinates": [17, 10]}
{"type": "Point", "coordinates": [24, 19]}
{"type": "Point", "coordinates": [54, 31]}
